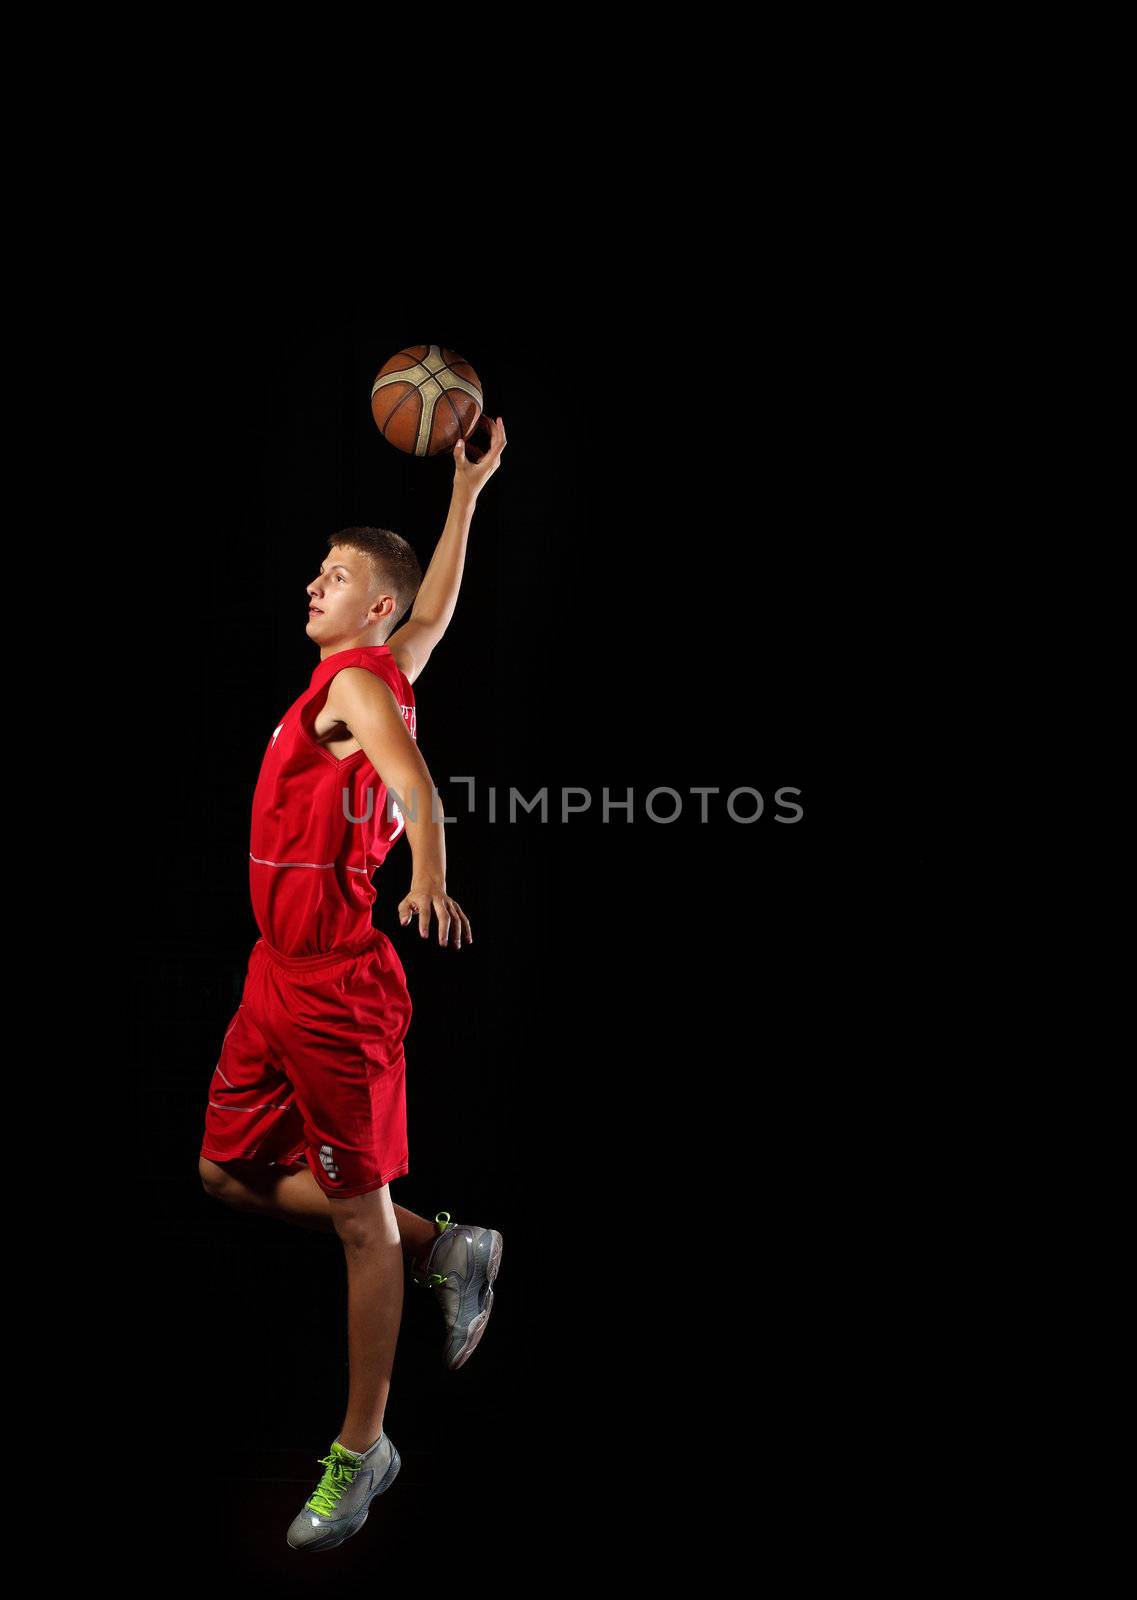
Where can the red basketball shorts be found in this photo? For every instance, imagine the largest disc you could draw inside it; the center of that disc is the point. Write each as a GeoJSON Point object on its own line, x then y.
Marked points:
{"type": "Point", "coordinates": [312, 1068]}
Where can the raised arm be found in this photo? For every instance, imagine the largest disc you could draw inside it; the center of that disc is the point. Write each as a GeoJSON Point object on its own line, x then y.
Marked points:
{"type": "Point", "coordinates": [430, 616]}
{"type": "Point", "coordinates": [369, 708]}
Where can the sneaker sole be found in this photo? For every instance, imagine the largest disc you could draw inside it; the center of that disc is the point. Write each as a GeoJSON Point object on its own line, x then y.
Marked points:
{"type": "Point", "coordinates": [357, 1522]}
{"type": "Point", "coordinates": [478, 1324]}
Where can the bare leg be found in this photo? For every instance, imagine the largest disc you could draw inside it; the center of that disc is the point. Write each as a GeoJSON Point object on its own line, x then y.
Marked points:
{"type": "Point", "coordinates": [295, 1196]}
{"type": "Point", "coordinates": [370, 1238]}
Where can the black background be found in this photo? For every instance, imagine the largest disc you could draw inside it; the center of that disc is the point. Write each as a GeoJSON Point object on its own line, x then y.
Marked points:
{"type": "Point", "coordinates": [648, 1069]}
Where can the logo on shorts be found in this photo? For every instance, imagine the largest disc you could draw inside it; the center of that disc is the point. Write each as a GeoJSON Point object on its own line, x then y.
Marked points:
{"type": "Point", "coordinates": [329, 1165]}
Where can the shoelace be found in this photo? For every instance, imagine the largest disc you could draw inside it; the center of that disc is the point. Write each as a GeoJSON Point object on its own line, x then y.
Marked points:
{"type": "Point", "coordinates": [338, 1477]}
{"type": "Point", "coordinates": [431, 1280]}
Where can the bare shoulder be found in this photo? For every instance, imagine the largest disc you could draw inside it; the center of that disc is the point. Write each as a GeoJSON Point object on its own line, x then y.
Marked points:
{"type": "Point", "coordinates": [355, 688]}
{"type": "Point", "coordinates": [403, 658]}
{"type": "Point", "coordinates": [411, 646]}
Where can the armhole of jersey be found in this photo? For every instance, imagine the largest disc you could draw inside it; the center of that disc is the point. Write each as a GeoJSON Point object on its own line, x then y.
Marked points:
{"type": "Point", "coordinates": [311, 709]}
{"type": "Point", "coordinates": [320, 700]}
{"type": "Point", "coordinates": [395, 688]}
{"type": "Point", "coordinates": [316, 702]}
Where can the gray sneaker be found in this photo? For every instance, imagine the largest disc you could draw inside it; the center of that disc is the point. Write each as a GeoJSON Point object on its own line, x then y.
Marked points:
{"type": "Point", "coordinates": [342, 1498]}
{"type": "Point", "coordinates": [461, 1269]}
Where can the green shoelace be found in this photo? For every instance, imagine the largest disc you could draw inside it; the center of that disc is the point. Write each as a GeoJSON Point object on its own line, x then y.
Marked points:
{"type": "Point", "coordinates": [338, 1476]}
{"type": "Point", "coordinates": [430, 1280]}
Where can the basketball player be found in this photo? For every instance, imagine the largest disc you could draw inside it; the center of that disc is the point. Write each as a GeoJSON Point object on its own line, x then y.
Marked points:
{"type": "Point", "coordinates": [306, 1114]}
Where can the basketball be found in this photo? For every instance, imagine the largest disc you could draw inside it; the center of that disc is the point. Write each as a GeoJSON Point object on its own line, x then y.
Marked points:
{"type": "Point", "coordinates": [426, 398]}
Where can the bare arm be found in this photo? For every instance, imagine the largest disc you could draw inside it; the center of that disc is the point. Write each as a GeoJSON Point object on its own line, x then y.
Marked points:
{"type": "Point", "coordinates": [369, 709]}
{"type": "Point", "coordinates": [434, 605]}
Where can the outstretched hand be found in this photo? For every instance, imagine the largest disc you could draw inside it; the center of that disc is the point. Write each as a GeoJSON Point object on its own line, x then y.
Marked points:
{"type": "Point", "coordinates": [421, 900]}
{"type": "Point", "coordinates": [473, 467]}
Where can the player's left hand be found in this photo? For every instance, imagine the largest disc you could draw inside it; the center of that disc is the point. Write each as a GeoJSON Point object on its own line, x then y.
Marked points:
{"type": "Point", "coordinates": [473, 467]}
{"type": "Point", "coordinates": [425, 897]}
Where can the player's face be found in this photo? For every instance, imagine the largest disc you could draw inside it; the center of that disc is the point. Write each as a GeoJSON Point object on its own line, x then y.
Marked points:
{"type": "Point", "coordinates": [338, 595]}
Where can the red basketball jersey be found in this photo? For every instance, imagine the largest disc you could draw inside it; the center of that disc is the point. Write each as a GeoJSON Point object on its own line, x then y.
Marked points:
{"type": "Point", "coordinates": [320, 826]}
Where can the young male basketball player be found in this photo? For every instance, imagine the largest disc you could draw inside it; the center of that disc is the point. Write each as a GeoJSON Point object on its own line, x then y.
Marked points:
{"type": "Point", "coordinates": [306, 1114]}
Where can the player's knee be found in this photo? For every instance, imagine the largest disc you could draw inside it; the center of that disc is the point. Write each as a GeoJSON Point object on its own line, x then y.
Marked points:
{"type": "Point", "coordinates": [363, 1220]}
{"type": "Point", "coordinates": [215, 1180]}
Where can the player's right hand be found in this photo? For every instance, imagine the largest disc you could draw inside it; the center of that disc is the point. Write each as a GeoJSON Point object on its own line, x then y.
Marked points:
{"type": "Point", "coordinates": [421, 899]}
{"type": "Point", "coordinates": [473, 467]}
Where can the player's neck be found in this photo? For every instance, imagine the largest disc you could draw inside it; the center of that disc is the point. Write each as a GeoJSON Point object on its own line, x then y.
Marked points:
{"type": "Point", "coordinates": [362, 643]}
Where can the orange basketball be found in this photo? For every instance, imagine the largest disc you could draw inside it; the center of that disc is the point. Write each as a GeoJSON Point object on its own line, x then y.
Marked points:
{"type": "Point", "coordinates": [425, 398]}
